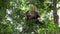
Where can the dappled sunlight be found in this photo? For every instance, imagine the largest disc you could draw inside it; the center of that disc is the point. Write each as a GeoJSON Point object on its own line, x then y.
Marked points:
{"type": "Point", "coordinates": [19, 27]}
{"type": "Point", "coordinates": [59, 16]}
{"type": "Point", "coordinates": [8, 11]}
{"type": "Point", "coordinates": [29, 16]}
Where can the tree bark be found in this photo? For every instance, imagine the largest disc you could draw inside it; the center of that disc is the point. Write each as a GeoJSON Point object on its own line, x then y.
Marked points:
{"type": "Point", "coordinates": [56, 17]}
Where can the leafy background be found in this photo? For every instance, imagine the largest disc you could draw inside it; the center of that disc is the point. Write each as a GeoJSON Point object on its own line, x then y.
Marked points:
{"type": "Point", "coordinates": [13, 13]}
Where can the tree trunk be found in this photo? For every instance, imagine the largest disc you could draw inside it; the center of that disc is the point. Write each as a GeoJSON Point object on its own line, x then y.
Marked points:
{"type": "Point", "coordinates": [56, 17]}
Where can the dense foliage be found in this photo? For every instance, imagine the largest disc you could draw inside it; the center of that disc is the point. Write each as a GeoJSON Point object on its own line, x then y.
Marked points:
{"type": "Point", "coordinates": [13, 13]}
